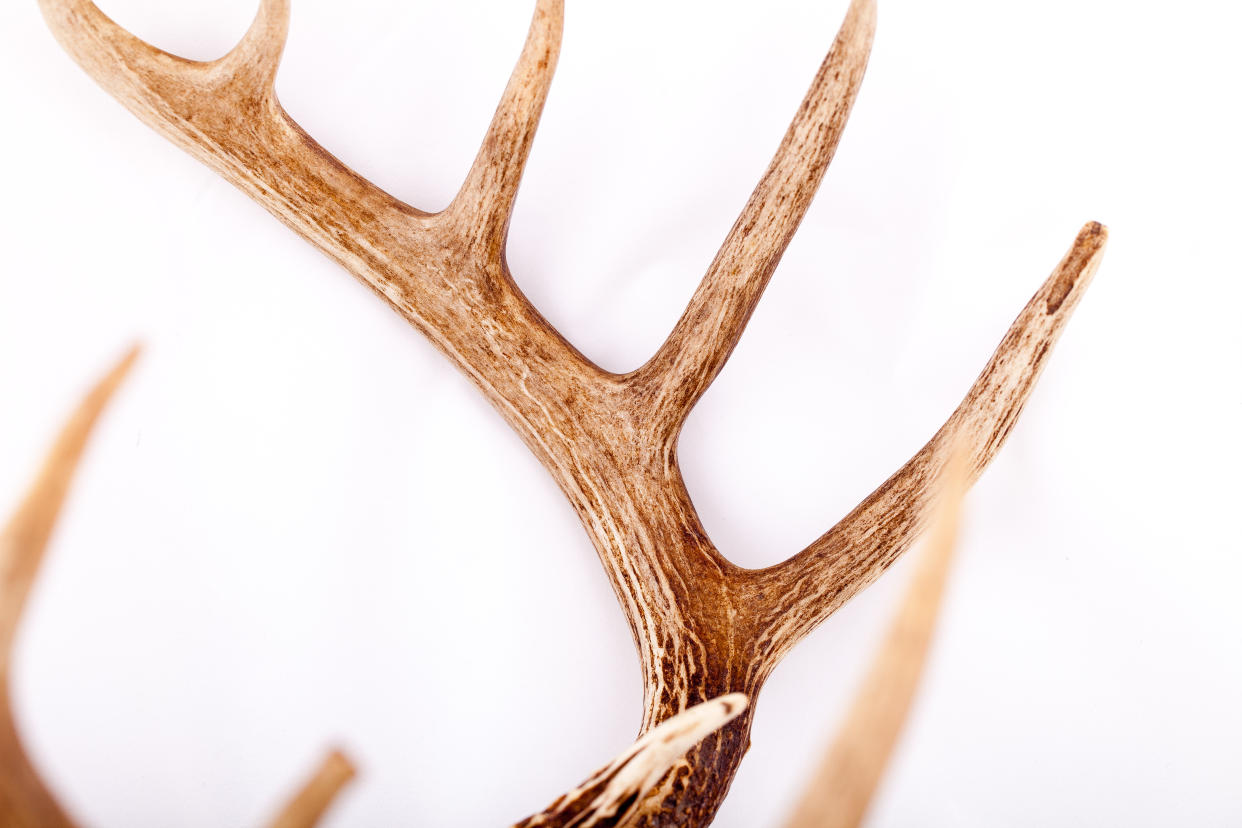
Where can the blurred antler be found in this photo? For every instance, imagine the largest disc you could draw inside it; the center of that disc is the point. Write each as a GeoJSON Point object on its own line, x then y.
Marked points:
{"type": "Point", "coordinates": [845, 782]}
{"type": "Point", "coordinates": [317, 794]}
{"type": "Point", "coordinates": [24, 799]}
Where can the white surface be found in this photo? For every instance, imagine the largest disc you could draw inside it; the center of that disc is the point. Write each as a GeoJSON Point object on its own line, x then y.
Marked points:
{"type": "Point", "coordinates": [298, 525]}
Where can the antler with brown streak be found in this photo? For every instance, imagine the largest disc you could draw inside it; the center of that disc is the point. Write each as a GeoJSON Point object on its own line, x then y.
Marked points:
{"type": "Point", "coordinates": [703, 627]}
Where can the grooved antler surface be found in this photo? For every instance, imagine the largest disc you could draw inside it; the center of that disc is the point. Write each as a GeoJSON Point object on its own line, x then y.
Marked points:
{"type": "Point", "coordinates": [704, 627]}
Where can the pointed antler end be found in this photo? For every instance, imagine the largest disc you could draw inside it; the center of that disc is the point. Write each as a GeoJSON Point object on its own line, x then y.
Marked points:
{"type": "Point", "coordinates": [318, 793]}
{"type": "Point", "coordinates": [1077, 268]}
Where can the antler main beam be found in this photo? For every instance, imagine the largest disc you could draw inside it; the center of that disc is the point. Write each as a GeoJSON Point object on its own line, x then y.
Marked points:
{"type": "Point", "coordinates": [704, 627]}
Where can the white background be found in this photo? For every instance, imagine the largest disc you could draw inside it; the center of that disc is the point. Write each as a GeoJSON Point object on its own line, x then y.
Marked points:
{"type": "Point", "coordinates": [300, 526]}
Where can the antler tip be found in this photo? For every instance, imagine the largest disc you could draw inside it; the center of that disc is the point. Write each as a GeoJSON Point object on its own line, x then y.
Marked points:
{"type": "Point", "coordinates": [120, 369]}
{"type": "Point", "coordinates": [339, 765]}
{"type": "Point", "coordinates": [864, 12]}
{"type": "Point", "coordinates": [1077, 269]}
{"type": "Point", "coordinates": [733, 704]}
{"type": "Point", "coordinates": [1094, 231]}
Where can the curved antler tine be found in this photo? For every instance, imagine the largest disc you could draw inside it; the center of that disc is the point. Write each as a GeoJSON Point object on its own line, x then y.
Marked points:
{"type": "Point", "coordinates": [613, 794]}
{"type": "Point", "coordinates": [257, 55]}
{"type": "Point", "coordinates": [318, 793]}
{"type": "Point", "coordinates": [24, 799]}
{"type": "Point", "coordinates": [25, 538]}
{"type": "Point", "coordinates": [712, 324]}
{"type": "Point", "coordinates": [846, 781]}
{"type": "Point", "coordinates": [484, 204]}
{"type": "Point", "coordinates": [815, 582]}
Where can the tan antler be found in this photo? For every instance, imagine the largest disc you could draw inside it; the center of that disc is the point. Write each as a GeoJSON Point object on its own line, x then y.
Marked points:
{"type": "Point", "coordinates": [24, 799]}
{"type": "Point", "coordinates": [704, 627]}
{"type": "Point", "coordinates": [308, 806]}
{"type": "Point", "coordinates": [845, 782]}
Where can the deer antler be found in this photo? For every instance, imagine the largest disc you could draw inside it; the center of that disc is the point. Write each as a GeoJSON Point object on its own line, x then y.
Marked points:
{"type": "Point", "coordinates": [606, 799]}
{"type": "Point", "coordinates": [703, 627]}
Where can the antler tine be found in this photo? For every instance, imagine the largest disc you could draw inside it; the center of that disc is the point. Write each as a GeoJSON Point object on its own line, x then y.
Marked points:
{"type": "Point", "coordinates": [815, 582]}
{"type": "Point", "coordinates": [318, 793]}
{"type": "Point", "coordinates": [484, 204]}
{"type": "Point", "coordinates": [846, 781]}
{"type": "Point", "coordinates": [613, 794]}
{"type": "Point", "coordinates": [712, 324]}
{"type": "Point", "coordinates": [24, 799]}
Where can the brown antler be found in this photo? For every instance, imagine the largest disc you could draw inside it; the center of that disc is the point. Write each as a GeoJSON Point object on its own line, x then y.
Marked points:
{"type": "Point", "coordinates": [703, 627]}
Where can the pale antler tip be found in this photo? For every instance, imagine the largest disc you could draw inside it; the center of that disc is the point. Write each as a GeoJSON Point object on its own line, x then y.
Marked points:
{"type": "Point", "coordinates": [318, 793]}
{"type": "Point", "coordinates": [556, 8]}
{"type": "Point", "coordinates": [867, 7]}
{"type": "Point", "coordinates": [338, 764]}
{"type": "Point", "coordinates": [860, 15]}
{"type": "Point", "coordinates": [733, 704]}
{"type": "Point", "coordinates": [547, 26]}
{"type": "Point", "coordinates": [116, 374]}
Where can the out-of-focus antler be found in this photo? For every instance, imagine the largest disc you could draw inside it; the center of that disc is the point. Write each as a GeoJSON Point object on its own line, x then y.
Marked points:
{"type": "Point", "coordinates": [703, 627]}
{"type": "Point", "coordinates": [25, 800]}
{"type": "Point", "coordinates": [606, 799]}
{"type": "Point", "coordinates": [845, 782]}
{"type": "Point", "coordinates": [317, 793]}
